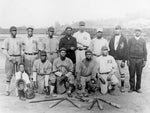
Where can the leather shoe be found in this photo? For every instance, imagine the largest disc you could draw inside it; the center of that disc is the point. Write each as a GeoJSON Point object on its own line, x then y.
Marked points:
{"type": "Point", "coordinates": [130, 91]}
{"type": "Point", "coordinates": [138, 91]}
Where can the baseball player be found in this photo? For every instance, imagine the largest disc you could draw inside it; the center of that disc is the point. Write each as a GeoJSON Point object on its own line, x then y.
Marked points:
{"type": "Point", "coordinates": [12, 51]}
{"type": "Point", "coordinates": [21, 74]}
{"type": "Point", "coordinates": [70, 43]}
{"type": "Point", "coordinates": [42, 74]}
{"type": "Point", "coordinates": [107, 69]}
{"type": "Point", "coordinates": [30, 50]}
{"type": "Point", "coordinates": [65, 67]}
{"type": "Point", "coordinates": [98, 42]}
{"type": "Point", "coordinates": [83, 42]}
{"type": "Point", "coordinates": [119, 50]}
{"type": "Point", "coordinates": [87, 70]}
{"type": "Point", "coordinates": [50, 45]}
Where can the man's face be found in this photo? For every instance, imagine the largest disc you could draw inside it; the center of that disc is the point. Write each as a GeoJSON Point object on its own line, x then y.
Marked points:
{"type": "Point", "coordinates": [43, 58]}
{"type": "Point", "coordinates": [63, 53]}
{"type": "Point", "coordinates": [13, 33]}
{"type": "Point", "coordinates": [105, 52]}
{"type": "Point", "coordinates": [99, 34]}
{"type": "Point", "coordinates": [30, 32]}
{"type": "Point", "coordinates": [68, 32]}
{"type": "Point", "coordinates": [82, 28]}
{"type": "Point", "coordinates": [22, 68]}
{"type": "Point", "coordinates": [88, 56]}
{"type": "Point", "coordinates": [137, 33]}
{"type": "Point", "coordinates": [50, 33]}
{"type": "Point", "coordinates": [118, 31]}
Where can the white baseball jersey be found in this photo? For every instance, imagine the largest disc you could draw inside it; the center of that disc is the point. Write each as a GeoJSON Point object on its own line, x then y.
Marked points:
{"type": "Point", "coordinates": [83, 38]}
{"type": "Point", "coordinates": [106, 64]}
{"type": "Point", "coordinates": [97, 44]}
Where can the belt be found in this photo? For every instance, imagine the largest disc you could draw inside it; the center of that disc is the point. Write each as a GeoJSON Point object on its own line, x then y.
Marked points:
{"type": "Point", "coordinates": [104, 73]}
{"type": "Point", "coordinates": [82, 49]}
{"type": "Point", "coordinates": [15, 55]}
{"type": "Point", "coordinates": [31, 53]}
{"type": "Point", "coordinates": [51, 53]}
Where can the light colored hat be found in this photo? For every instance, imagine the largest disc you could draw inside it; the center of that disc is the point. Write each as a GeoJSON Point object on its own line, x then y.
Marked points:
{"type": "Point", "coordinates": [138, 29]}
{"type": "Point", "coordinates": [99, 29]}
{"type": "Point", "coordinates": [81, 23]}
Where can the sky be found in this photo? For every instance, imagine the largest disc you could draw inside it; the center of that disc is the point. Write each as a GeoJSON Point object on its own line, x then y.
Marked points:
{"type": "Point", "coordinates": [44, 13]}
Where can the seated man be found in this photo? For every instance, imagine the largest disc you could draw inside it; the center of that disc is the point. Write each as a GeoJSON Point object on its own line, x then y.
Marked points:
{"type": "Point", "coordinates": [64, 67]}
{"type": "Point", "coordinates": [42, 74]}
{"type": "Point", "coordinates": [106, 68]}
{"type": "Point", "coordinates": [21, 76]}
{"type": "Point", "coordinates": [86, 71]}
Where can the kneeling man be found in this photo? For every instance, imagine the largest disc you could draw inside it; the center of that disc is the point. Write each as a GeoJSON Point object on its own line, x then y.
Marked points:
{"type": "Point", "coordinates": [107, 69]}
{"type": "Point", "coordinates": [42, 74]}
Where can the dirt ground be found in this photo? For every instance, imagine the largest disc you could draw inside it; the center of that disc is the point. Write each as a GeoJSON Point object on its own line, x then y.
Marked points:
{"type": "Point", "coordinates": [130, 102]}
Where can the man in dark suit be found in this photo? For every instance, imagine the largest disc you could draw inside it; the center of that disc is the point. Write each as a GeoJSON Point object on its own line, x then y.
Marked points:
{"type": "Point", "coordinates": [136, 60]}
{"type": "Point", "coordinates": [119, 50]}
{"type": "Point", "coordinates": [69, 43]}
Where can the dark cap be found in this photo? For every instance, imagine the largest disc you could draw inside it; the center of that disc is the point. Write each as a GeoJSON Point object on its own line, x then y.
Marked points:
{"type": "Point", "coordinates": [62, 49]}
{"type": "Point", "coordinates": [51, 29]}
{"type": "Point", "coordinates": [104, 48]}
{"type": "Point", "coordinates": [13, 28]}
{"type": "Point", "coordinates": [138, 29]}
{"type": "Point", "coordinates": [81, 23]}
{"type": "Point", "coordinates": [88, 51]}
{"type": "Point", "coordinates": [68, 28]}
{"type": "Point", "coordinates": [30, 28]}
{"type": "Point", "coordinates": [118, 27]}
{"type": "Point", "coordinates": [42, 53]}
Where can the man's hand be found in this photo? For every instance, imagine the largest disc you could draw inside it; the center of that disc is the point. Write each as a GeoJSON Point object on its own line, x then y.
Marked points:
{"type": "Point", "coordinates": [35, 84]}
{"type": "Point", "coordinates": [72, 48]}
{"type": "Point", "coordinates": [128, 63]}
{"type": "Point", "coordinates": [12, 59]}
{"type": "Point", "coordinates": [144, 63]}
{"type": "Point", "coordinates": [122, 65]}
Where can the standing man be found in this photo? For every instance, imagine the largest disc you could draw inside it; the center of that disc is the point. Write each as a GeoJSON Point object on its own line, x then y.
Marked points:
{"type": "Point", "coordinates": [87, 70]}
{"type": "Point", "coordinates": [70, 44]}
{"type": "Point", "coordinates": [136, 60]}
{"type": "Point", "coordinates": [50, 45]}
{"type": "Point", "coordinates": [119, 50]}
{"type": "Point", "coordinates": [42, 74]}
{"type": "Point", "coordinates": [98, 42]}
{"type": "Point", "coordinates": [83, 41]}
{"type": "Point", "coordinates": [30, 50]}
{"type": "Point", "coordinates": [12, 51]}
{"type": "Point", "coordinates": [65, 67]}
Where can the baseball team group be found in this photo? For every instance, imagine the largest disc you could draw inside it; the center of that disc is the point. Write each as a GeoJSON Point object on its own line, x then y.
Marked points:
{"type": "Point", "coordinates": [75, 63]}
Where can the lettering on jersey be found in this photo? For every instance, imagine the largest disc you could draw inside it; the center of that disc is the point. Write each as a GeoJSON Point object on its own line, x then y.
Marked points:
{"type": "Point", "coordinates": [121, 45]}
{"type": "Point", "coordinates": [85, 38]}
{"type": "Point", "coordinates": [109, 61]}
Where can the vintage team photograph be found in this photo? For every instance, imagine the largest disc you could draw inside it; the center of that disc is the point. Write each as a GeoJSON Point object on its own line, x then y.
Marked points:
{"type": "Point", "coordinates": [74, 56]}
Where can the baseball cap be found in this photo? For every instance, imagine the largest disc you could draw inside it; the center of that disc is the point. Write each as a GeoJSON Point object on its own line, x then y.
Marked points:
{"type": "Point", "coordinates": [30, 28]}
{"type": "Point", "coordinates": [118, 27]}
{"type": "Point", "coordinates": [99, 29]}
{"type": "Point", "coordinates": [88, 51]}
{"type": "Point", "coordinates": [68, 28]}
{"type": "Point", "coordinates": [62, 49]}
{"type": "Point", "coordinates": [13, 28]}
{"type": "Point", "coordinates": [138, 29]}
{"type": "Point", "coordinates": [51, 29]}
{"type": "Point", "coordinates": [43, 53]}
{"type": "Point", "coordinates": [104, 48]}
{"type": "Point", "coordinates": [81, 23]}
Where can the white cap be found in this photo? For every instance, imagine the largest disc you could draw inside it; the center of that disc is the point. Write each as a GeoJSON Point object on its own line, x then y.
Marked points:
{"type": "Point", "coordinates": [99, 29]}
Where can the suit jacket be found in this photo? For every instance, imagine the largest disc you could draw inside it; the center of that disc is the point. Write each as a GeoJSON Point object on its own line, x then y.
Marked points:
{"type": "Point", "coordinates": [121, 53]}
{"type": "Point", "coordinates": [72, 42]}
